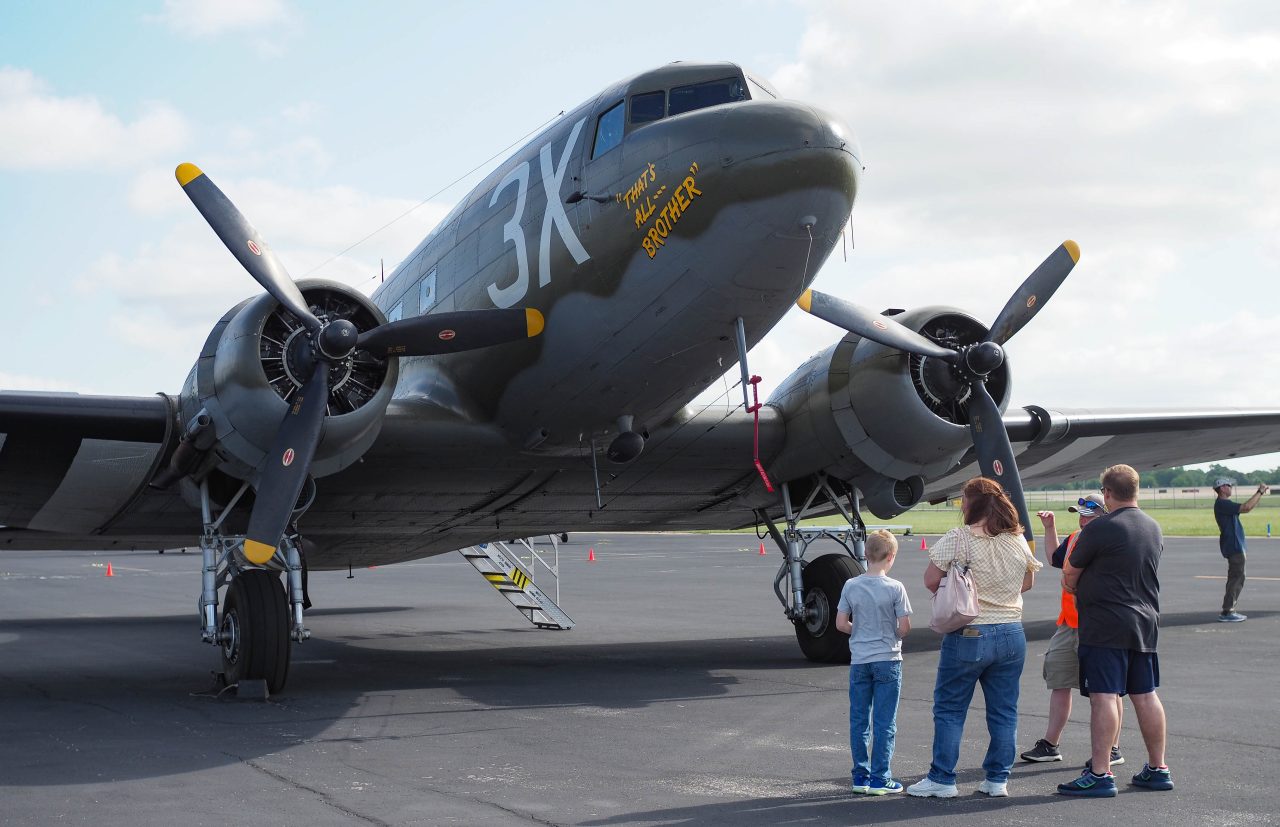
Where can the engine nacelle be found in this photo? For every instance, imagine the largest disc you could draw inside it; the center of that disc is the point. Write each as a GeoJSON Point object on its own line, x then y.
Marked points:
{"type": "Point", "coordinates": [879, 418]}
{"type": "Point", "coordinates": [253, 363]}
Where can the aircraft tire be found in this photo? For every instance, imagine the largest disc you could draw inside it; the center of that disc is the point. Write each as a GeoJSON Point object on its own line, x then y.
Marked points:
{"type": "Point", "coordinates": [824, 578]}
{"type": "Point", "coordinates": [255, 629]}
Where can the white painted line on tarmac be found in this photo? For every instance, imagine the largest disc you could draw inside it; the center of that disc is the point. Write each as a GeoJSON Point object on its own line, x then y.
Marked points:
{"type": "Point", "coordinates": [1223, 577]}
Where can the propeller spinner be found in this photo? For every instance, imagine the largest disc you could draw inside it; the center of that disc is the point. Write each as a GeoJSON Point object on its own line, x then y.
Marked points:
{"type": "Point", "coordinates": [284, 471]}
{"type": "Point", "coordinates": [973, 363]}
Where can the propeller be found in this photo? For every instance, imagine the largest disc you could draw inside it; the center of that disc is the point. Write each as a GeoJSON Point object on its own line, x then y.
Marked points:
{"type": "Point", "coordinates": [972, 364]}
{"type": "Point", "coordinates": [284, 471]}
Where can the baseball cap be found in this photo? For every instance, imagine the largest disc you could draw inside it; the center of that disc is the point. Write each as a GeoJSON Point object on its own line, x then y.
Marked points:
{"type": "Point", "coordinates": [1221, 481]}
{"type": "Point", "coordinates": [1087, 507]}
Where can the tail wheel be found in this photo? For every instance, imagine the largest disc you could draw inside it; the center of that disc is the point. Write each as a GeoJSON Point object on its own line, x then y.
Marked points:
{"type": "Point", "coordinates": [255, 630]}
{"type": "Point", "coordinates": [824, 578]}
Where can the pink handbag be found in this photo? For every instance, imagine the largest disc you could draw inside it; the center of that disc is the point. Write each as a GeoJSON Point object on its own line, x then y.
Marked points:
{"type": "Point", "coordinates": [955, 603]}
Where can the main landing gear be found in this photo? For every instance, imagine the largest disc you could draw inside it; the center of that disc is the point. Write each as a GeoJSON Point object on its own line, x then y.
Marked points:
{"type": "Point", "coordinates": [814, 586]}
{"type": "Point", "coordinates": [260, 617]}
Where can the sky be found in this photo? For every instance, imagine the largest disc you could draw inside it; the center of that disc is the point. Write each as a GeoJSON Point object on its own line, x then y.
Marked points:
{"type": "Point", "coordinates": [991, 132]}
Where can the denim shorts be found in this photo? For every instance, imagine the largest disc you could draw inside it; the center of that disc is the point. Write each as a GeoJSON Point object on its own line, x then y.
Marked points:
{"type": "Point", "coordinates": [1117, 671]}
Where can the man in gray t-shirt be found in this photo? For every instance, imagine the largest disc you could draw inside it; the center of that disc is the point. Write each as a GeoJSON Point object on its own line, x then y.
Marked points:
{"type": "Point", "coordinates": [876, 614]}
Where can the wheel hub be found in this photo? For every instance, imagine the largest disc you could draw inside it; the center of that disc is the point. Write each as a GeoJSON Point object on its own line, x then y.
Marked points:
{"type": "Point", "coordinates": [229, 635]}
{"type": "Point", "coordinates": [817, 611]}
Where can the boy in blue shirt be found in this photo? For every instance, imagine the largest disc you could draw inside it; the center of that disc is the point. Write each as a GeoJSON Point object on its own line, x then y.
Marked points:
{"type": "Point", "coordinates": [876, 614]}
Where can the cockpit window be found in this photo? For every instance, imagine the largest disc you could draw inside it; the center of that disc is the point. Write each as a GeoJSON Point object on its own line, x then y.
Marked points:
{"type": "Point", "coordinates": [608, 130]}
{"type": "Point", "coordinates": [709, 93]}
{"type": "Point", "coordinates": [651, 106]}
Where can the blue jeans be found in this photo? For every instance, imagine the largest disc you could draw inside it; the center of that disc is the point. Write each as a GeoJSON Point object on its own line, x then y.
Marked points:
{"type": "Point", "coordinates": [873, 717]}
{"type": "Point", "coordinates": [994, 658]}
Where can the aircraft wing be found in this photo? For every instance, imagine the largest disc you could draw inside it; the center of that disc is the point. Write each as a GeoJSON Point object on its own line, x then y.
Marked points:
{"type": "Point", "coordinates": [1060, 445]}
{"type": "Point", "coordinates": [67, 459]}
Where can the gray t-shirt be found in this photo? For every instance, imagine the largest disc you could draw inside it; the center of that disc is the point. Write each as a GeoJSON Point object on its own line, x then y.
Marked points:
{"type": "Point", "coordinates": [874, 603]}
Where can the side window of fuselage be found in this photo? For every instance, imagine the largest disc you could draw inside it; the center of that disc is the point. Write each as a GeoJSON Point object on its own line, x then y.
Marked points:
{"type": "Point", "coordinates": [394, 314]}
{"type": "Point", "coordinates": [427, 292]}
{"type": "Point", "coordinates": [608, 130]}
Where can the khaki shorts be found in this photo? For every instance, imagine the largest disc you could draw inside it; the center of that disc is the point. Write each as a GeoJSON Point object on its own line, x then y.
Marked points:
{"type": "Point", "coordinates": [1061, 664]}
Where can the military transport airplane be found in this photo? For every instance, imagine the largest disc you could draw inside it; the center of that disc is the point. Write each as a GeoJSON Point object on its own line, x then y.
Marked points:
{"type": "Point", "coordinates": [529, 368]}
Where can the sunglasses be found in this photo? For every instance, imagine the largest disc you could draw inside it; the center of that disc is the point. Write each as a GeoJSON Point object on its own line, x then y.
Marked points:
{"type": "Point", "coordinates": [1082, 502]}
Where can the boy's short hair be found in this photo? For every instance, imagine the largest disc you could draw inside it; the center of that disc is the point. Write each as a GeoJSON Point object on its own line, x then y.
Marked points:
{"type": "Point", "coordinates": [880, 545]}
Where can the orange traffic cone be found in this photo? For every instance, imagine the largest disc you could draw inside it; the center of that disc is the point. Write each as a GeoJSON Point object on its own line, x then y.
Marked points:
{"type": "Point", "coordinates": [923, 546]}
{"type": "Point", "coordinates": [109, 572]}
{"type": "Point", "coordinates": [591, 555]}
{"type": "Point", "coordinates": [762, 554]}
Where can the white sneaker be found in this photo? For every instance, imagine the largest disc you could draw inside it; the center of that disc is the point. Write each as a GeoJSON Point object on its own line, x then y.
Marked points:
{"type": "Point", "coordinates": [932, 789]}
{"type": "Point", "coordinates": [995, 789]}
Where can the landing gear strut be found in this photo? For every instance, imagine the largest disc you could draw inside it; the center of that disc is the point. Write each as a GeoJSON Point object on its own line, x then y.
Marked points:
{"type": "Point", "coordinates": [814, 585]}
{"type": "Point", "coordinates": [259, 617]}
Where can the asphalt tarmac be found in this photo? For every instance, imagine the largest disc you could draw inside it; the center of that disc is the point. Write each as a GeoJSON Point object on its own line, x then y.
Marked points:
{"type": "Point", "coordinates": [680, 698]}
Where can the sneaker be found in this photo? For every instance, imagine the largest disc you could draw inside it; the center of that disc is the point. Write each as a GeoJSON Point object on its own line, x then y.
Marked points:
{"type": "Point", "coordinates": [1089, 785]}
{"type": "Point", "coordinates": [1153, 779]}
{"type": "Point", "coordinates": [859, 786]}
{"type": "Point", "coordinates": [925, 788]}
{"type": "Point", "coordinates": [1232, 617]}
{"type": "Point", "coordinates": [891, 786]}
{"type": "Point", "coordinates": [995, 789]}
{"type": "Point", "coordinates": [1116, 758]}
{"type": "Point", "coordinates": [1042, 751]}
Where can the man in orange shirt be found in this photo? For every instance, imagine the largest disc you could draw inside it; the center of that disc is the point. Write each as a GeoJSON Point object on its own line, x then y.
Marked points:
{"type": "Point", "coordinates": [1061, 666]}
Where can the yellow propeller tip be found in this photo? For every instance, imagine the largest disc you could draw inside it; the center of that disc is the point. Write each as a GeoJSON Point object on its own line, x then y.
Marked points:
{"type": "Point", "coordinates": [186, 173]}
{"type": "Point", "coordinates": [258, 553]}
{"type": "Point", "coordinates": [534, 321]}
{"type": "Point", "coordinates": [805, 301]}
{"type": "Point", "coordinates": [1073, 250]}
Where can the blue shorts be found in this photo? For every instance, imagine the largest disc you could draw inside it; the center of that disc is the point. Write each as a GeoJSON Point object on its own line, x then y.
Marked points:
{"type": "Point", "coordinates": [1117, 671]}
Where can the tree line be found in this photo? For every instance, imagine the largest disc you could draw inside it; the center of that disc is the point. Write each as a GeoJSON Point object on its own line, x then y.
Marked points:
{"type": "Point", "coordinates": [1179, 477]}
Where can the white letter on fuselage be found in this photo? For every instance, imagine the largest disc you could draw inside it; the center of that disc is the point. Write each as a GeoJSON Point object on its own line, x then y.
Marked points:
{"type": "Point", "coordinates": [513, 232]}
{"type": "Point", "coordinates": [551, 179]}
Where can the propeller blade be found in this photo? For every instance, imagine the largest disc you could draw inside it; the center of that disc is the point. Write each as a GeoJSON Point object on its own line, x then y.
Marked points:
{"type": "Point", "coordinates": [451, 332]}
{"type": "Point", "coordinates": [870, 325]}
{"type": "Point", "coordinates": [286, 466]}
{"type": "Point", "coordinates": [1034, 293]}
{"type": "Point", "coordinates": [995, 454]}
{"type": "Point", "coordinates": [244, 242]}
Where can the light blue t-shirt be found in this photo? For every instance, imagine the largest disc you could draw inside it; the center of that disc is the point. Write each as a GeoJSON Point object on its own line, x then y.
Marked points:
{"type": "Point", "coordinates": [874, 603]}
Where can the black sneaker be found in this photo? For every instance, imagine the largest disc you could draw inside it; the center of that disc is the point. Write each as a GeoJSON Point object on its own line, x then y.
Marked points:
{"type": "Point", "coordinates": [1041, 752]}
{"type": "Point", "coordinates": [1153, 779]}
{"type": "Point", "coordinates": [1116, 758]}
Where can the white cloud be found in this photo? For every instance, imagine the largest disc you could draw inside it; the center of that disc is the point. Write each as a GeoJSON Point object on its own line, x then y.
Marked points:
{"type": "Point", "coordinates": [41, 130]}
{"type": "Point", "coordinates": [176, 286]}
{"type": "Point", "coordinates": [205, 18]}
{"type": "Point", "coordinates": [993, 131]}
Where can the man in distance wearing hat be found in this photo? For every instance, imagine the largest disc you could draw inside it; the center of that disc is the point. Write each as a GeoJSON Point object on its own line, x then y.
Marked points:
{"type": "Point", "coordinates": [1231, 541]}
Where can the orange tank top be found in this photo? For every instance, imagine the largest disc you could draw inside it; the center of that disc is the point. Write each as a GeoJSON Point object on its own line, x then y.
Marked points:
{"type": "Point", "coordinates": [1068, 613]}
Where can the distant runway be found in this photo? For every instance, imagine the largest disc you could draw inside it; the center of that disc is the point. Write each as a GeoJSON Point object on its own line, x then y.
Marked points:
{"type": "Point", "coordinates": [680, 698]}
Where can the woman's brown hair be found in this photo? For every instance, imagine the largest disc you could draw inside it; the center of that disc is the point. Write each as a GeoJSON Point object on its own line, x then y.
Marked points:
{"type": "Point", "coordinates": [984, 501]}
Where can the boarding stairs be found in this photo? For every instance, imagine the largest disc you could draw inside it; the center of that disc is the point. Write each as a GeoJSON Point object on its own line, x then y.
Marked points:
{"type": "Point", "coordinates": [511, 568]}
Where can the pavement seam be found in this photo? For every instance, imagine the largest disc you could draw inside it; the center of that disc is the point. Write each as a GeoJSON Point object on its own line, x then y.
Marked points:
{"type": "Point", "coordinates": [324, 797]}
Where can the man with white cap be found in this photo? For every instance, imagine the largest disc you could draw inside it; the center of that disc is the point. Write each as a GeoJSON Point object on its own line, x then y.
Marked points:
{"type": "Point", "coordinates": [1061, 664]}
{"type": "Point", "coordinates": [1231, 541]}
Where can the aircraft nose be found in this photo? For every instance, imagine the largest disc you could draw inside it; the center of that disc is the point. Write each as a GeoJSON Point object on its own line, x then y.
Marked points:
{"type": "Point", "coordinates": [784, 147]}
{"type": "Point", "coordinates": [794, 165]}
